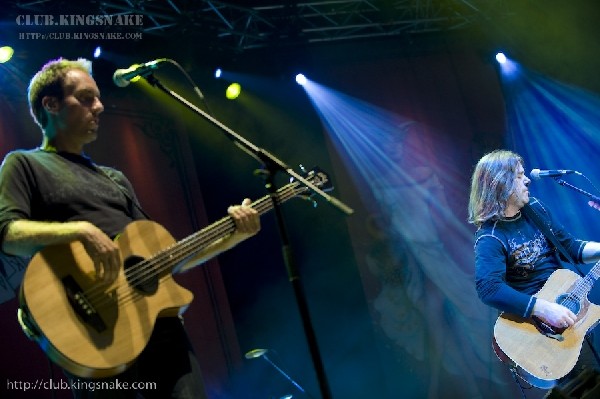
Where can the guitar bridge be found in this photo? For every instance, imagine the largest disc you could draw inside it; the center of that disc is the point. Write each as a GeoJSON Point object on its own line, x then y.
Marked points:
{"type": "Point", "coordinates": [80, 304]}
{"type": "Point", "coordinates": [548, 330]}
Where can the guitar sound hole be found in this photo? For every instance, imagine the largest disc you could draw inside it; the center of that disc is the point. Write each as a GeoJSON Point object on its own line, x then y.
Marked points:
{"type": "Point", "coordinates": [570, 302]}
{"type": "Point", "coordinates": [142, 276]}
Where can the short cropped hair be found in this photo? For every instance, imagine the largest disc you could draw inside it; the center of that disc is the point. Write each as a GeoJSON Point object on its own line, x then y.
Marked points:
{"type": "Point", "coordinates": [49, 81]}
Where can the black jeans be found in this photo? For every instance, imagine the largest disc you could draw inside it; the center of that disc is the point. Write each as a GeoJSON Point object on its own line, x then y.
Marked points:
{"type": "Point", "coordinates": [166, 368]}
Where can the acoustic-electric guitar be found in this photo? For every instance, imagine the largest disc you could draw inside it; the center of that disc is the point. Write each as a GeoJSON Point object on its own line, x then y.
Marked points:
{"type": "Point", "coordinates": [541, 354]}
{"type": "Point", "coordinates": [95, 330]}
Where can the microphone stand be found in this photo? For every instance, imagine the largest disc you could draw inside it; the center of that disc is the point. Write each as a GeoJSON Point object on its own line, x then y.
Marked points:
{"type": "Point", "coordinates": [589, 195]}
{"type": "Point", "coordinates": [273, 165]}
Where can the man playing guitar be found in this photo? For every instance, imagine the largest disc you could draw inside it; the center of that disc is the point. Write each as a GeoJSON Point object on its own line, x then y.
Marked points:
{"type": "Point", "coordinates": [516, 254]}
{"type": "Point", "coordinates": [55, 195]}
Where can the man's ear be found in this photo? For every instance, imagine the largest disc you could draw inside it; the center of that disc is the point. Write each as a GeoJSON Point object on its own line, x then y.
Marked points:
{"type": "Point", "coordinates": [50, 104]}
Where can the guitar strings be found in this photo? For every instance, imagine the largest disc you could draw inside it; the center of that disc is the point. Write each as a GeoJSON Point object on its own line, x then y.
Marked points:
{"type": "Point", "coordinates": [146, 270]}
{"type": "Point", "coordinates": [138, 274]}
{"type": "Point", "coordinates": [582, 287]}
{"type": "Point", "coordinates": [187, 249]}
{"type": "Point", "coordinates": [189, 246]}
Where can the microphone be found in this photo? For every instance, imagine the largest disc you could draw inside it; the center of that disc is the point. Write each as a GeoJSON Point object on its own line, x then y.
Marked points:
{"type": "Point", "coordinates": [122, 77]}
{"type": "Point", "coordinates": [537, 173]}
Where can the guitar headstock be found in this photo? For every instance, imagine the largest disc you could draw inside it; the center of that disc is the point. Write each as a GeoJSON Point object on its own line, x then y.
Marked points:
{"type": "Point", "coordinates": [316, 177]}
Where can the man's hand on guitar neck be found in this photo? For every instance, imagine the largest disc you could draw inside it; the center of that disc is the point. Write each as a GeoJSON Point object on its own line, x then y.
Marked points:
{"type": "Point", "coordinates": [247, 220]}
{"type": "Point", "coordinates": [247, 224]}
{"type": "Point", "coordinates": [554, 314]}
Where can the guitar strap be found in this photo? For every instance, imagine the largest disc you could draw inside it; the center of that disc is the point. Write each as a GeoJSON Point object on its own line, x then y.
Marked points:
{"type": "Point", "coordinates": [535, 217]}
{"type": "Point", "coordinates": [85, 160]}
{"type": "Point", "coordinates": [129, 197]}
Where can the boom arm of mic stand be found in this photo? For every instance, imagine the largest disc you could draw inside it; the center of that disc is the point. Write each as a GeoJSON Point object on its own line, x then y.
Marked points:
{"type": "Point", "coordinates": [589, 195]}
{"type": "Point", "coordinates": [258, 153]}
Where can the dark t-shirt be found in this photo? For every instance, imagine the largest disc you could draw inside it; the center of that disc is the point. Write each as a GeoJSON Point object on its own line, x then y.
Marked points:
{"type": "Point", "coordinates": [513, 259]}
{"type": "Point", "coordinates": [49, 186]}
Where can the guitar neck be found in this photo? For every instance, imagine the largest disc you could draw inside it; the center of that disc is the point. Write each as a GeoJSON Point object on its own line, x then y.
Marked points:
{"type": "Point", "coordinates": [224, 227]}
{"type": "Point", "coordinates": [585, 284]}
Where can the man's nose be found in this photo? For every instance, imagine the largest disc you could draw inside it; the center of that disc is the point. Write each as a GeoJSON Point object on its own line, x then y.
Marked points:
{"type": "Point", "coordinates": [98, 107]}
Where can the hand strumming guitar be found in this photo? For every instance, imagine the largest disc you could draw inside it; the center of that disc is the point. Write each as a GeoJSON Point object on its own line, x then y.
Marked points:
{"type": "Point", "coordinates": [553, 313]}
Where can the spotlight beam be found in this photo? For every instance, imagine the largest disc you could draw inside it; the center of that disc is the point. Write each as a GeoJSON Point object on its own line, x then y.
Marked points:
{"type": "Point", "coordinates": [273, 164]}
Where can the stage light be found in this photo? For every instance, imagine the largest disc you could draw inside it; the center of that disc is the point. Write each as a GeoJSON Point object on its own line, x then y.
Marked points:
{"type": "Point", "coordinates": [508, 67]}
{"type": "Point", "coordinates": [97, 52]}
{"type": "Point", "coordinates": [6, 53]}
{"type": "Point", "coordinates": [233, 91]}
{"type": "Point", "coordinates": [218, 73]}
{"type": "Point", "coordinates": [301, 79]}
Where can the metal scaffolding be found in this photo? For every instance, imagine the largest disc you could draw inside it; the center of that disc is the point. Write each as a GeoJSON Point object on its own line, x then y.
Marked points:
{"type": "Point", "coordinates": [248, 24]}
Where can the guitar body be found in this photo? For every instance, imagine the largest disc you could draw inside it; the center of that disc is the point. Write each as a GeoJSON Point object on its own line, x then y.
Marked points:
{"type": "Point", "coordinates": [95, 331]}
{"type": "Point", "coordinates": [541, 359]}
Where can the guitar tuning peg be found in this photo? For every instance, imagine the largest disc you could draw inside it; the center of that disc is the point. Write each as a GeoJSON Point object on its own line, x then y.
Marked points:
{"type": "Point", "coordinates": [310, 199]}
{"type": "Point", "coordinates": [302, 171]}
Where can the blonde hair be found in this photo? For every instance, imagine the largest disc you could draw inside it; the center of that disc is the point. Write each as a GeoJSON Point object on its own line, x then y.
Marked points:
{"type": "Point", "coordinates": [491, 185]}
{"type": "Point", "coordinates": [49, 81]}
